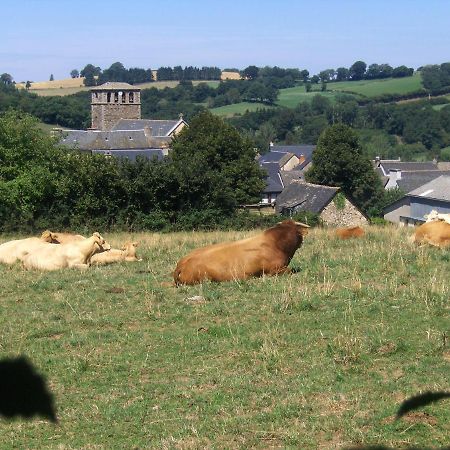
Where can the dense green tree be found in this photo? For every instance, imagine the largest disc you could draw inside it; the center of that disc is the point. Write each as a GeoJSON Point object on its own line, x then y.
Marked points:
{"type": "Point", "coordinates": [215, 167]}
{"type": "Point", "coordinates": [74, 73]}
{"type": "Point", "coordinates": [402, 71]}
{"type": "Point", "coordinates": [338, 161]}
{"type": "Point", "coordinates": [342, 74]}
{"type": "Point", "coordinates": [90, 72]}
{"type": "Point", "coordinates": [304, 75]}
{"type": "Point", "coordinates": [6, 79]}
{"type": "Point", "coordinates": [357, 70]}
{"type": "Point", "coordinates": [250, 72]}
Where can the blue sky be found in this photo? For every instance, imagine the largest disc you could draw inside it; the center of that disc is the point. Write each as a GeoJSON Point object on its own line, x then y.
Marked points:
{"type": "Point", "coordinates": [43, 37]}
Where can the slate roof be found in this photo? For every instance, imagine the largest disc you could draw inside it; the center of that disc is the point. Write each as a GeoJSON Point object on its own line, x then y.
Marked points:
{"type": "Point", "coordinates": [398, 165]}
{"type": "Point", "coordinates": [304, 149]}
{"type": "Point", "coordinates": [305, 197]}
{"type": "Point", "coordinates": [271, 157]}
{"type": "Point", "coordinates": [148, 153]}
{"type": "Point", "coordinates": [289, 176]}
{"type": "Point", "coordinates": [414, 179]}
{"type": "Point", "coordinates": [438, 189]}
{"type": "Point", "coordinates": [112, 140]}
{"type": "Point", "coordinates": [159, 127]}
{"type": "Point", "coordinates": [274, 183]}
{"type": "Point", "coordinates": [114, 86]}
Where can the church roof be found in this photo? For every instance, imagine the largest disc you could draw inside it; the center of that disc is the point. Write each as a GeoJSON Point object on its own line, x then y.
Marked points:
{"type": "Point", "coordinates": [112, 140]}
{"type": "Point", "coordinates": [115, 86]}
{"type": "Point", "coordinates": [159, 127]}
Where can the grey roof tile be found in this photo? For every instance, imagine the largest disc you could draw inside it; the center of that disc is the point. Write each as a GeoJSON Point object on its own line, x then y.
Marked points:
{"type": "Point", "coordinates": [305, 197]}
{"type": "Point", "coordinates": [132, 155]}
{"type": "Point", "coordinates": [115, 85]}
{"type": "Point", "coordinates": [159, 127]}
{"type": "Point", "coordinates": [112, 140]}
{"type": "Point", "coordinates": [414, 179]}
{"type": "Point", "coordinates": [273, 181]}
{"type": "Point", "coordinates": [398, 165]}
{"type": "Point", "coordinates": [438, 189]}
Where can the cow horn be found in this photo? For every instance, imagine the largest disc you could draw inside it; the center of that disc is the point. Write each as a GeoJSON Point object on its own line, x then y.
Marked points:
{"type": "Point", "coordinates": [300, 224]}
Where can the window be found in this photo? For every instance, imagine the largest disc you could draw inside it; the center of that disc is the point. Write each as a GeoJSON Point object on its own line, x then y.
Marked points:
{"type": "Point", "coordinates": [131, 97]}
{"type": "Point", "coordinates": [116, 97]}
{"type": "Point", "coordinates": [108, 97]}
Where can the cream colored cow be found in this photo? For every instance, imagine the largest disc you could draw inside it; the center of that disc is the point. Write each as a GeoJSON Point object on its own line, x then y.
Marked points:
{"type": "Point", "coordinates": [75, 254]}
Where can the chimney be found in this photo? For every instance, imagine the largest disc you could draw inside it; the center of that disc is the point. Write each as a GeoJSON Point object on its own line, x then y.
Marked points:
{"type": "Point", "coordinates": [394, 175]}
{"type": "Point", "coordinates": [148, 131]}
{"type": "Point", "coordinates": [270, 144]}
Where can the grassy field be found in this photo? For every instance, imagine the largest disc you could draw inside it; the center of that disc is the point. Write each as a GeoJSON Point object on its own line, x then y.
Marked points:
{"type": "Point", "coordinates": [372, 88]}
{"type": "Point", "coordinates": [238, 108]}
{"type": "Point", "coordinates": [291, 97]}
{"type": "Point", "coordinates": [320, 359]}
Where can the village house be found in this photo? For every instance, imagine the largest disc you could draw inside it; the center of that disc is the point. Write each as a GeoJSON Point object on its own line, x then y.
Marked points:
{"type": "Point", "coordinates": [412, 208]}
{"type": "Point", "coordinates": [332, 206]}
{"type": "Point", "coordinates": [283, 163]}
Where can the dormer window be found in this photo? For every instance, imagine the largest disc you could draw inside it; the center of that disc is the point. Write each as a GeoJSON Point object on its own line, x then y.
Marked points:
{"type": "Point", "coordinates": [116, 97]}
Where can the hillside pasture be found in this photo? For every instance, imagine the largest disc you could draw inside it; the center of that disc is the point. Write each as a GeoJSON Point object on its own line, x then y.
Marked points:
{"type": "Point", "coordinates": [291, 97]}
{"type": "Point", "coordinates": [373, 88]}
{"type": "Point", "coordinates": [238, 108]}
{"type": "Point", "coordinates": [319, 359]}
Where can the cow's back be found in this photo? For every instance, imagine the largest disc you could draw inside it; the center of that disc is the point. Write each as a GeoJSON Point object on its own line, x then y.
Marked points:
{"type": "Point", "coordinates": [349, 232]}
{"type": "Point", "coordinates": [435, 233]}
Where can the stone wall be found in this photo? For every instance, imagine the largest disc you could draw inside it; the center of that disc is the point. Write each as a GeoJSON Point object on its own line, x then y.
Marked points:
{"type": "Point", "coordinates": [108, 107]}
{"type": "Point", "coordinates": [347, 216]}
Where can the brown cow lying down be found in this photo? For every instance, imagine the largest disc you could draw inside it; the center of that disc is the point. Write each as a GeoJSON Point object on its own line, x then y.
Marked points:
{"type": "Point", "coordinates": [349, 232]}
{"type": "Point", "coordinates": [267, 253]}
{"type": "Point", "coordinates": [126, 253]}
{"type": "Point", "coordinates": [15, 250]}
{"type": "Point", "coordinates": [75, 254]}
{"type": "Point", "coordinates": [65, 238]}
{"type": "Point", "coordinates": [435, 233]}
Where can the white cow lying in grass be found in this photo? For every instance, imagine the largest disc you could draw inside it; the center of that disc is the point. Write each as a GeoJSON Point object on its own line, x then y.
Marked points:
{"type": "Point", "coordinates": [75, 254]}
{"type": "Point", "coordinates": [66, 238]}
{"type": "Point", "coordinates": [434, 215]}
{"type": "Point", "coordinates": [15, 250]}
{"type": "Point", "coordinates": [126, 253]}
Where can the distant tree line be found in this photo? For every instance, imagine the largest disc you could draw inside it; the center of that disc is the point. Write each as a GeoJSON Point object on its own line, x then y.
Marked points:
{"type": "Point", "coordinates": [188, 73]}
{"type": "Point", "coordinates": [94, 75]}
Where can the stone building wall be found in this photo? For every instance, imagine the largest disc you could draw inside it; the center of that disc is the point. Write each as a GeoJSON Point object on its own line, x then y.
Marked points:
{"type": "Point", "coordinates": [347, 216]}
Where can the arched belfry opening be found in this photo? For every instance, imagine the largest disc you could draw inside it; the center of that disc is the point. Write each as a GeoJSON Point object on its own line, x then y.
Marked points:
{"type": "Point", "coordinates": [111, 102]}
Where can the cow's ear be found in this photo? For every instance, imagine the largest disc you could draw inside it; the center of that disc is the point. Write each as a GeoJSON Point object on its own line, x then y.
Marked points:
{"type": "Point", "coordinates": [135, 244]}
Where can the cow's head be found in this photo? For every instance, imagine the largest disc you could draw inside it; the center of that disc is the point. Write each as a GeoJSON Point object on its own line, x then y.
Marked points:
{"type": "Point", "coordinates": [129, 249]}
{"type": "Point", "coordinates": [100, 243]}
{"type": "Point", "coordinates": [48, 236]}
{"type": "Point", "coordinates": [300, 227]}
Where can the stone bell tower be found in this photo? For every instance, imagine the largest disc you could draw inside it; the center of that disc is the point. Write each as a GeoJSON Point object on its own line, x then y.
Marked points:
{"type": "Point", "coordinates": [111, 102]}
